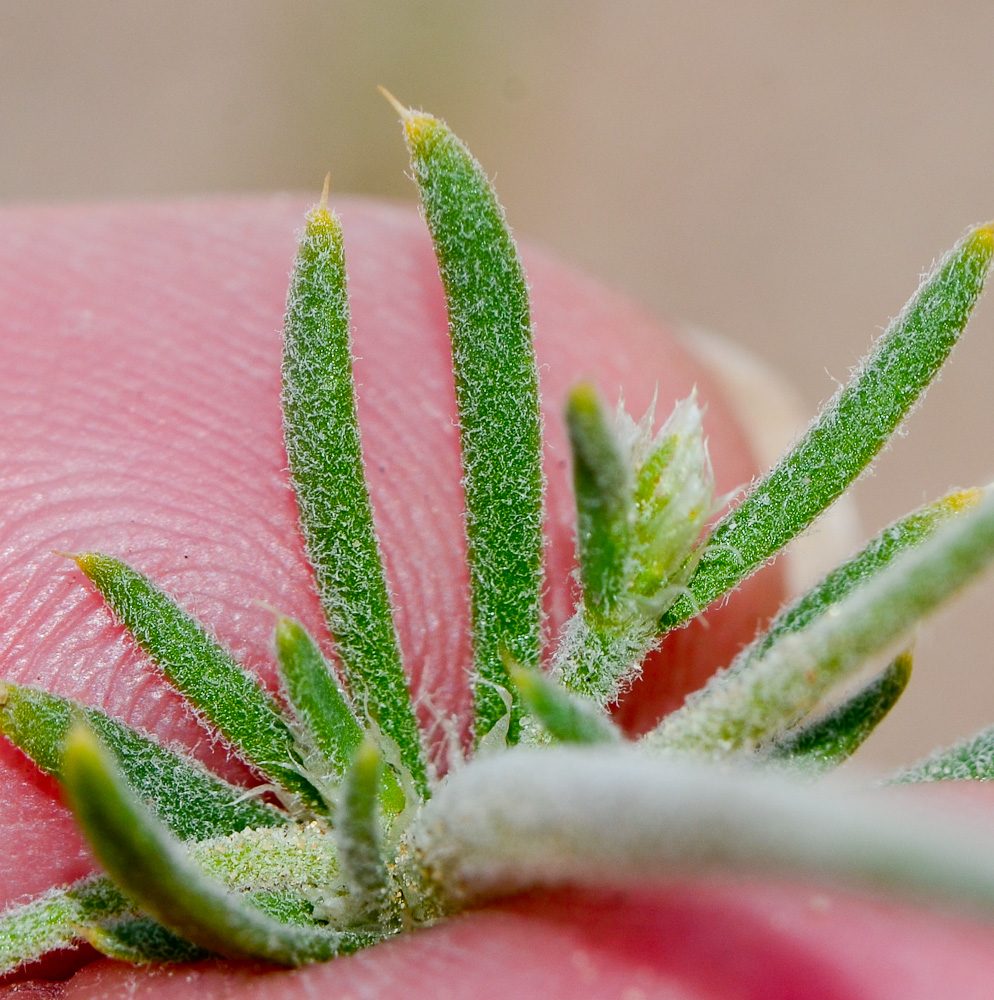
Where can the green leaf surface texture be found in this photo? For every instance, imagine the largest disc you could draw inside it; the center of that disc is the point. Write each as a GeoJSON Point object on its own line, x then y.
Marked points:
{"type": "Point", "coordinates": [55, 920]}
{"type": "Point", "coordinates": [737, 710]}
{"type": "Point", "coordinates": [904, 534]}
{"type": "Point", "coordinates": [357, 833]}
{"type": "Point", "coordinates": [321, 430]}
{"type": "Point", "coordinates": [822, 744]}
{"type": "Point", "coordinates": [142, 941]}
{"type": "Point", "coordinates": [317, 701]}
{"type": "Point", "coordinates": [848, 432]}
{"type": "Point", "coordinates": [500, 427]}
{"type": "Point", "coordinates": [603, 487]}
{"type": "Point", "coordinates": [564, 716]}
{"type": "Point", "coordinates": [207, 675]}
{"type": "Point", "coordinates": [322, 710]}
{"type": "Point", "coordinates": [643, 499]}
{"type": "Point", "coordinates": [192, 802]}
{"type": "Point", "coordinates": [971, 759]}
{"type": "Point", "coordinates": [154, 869]}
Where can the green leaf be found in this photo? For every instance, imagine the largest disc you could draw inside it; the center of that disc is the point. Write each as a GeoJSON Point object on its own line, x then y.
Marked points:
{"type": "Point", "coordinates": [905, 533]}
{"type": "Point", "coordinates": [738, 709]}
{"type": "Point", "coordinates": [191, 801]}
{"type": "Point", "coordinates": [142, 941]}
{"type": "Point", "coordinates": [822, 744]}
{"type": "Point", "coordinates": [205, 673]}
{"type": "Point", "coordinates": [564, 716]}
{"type": "Point", "coordinates": [971, 759]}
{"type": "Point", "coordinates": [497, 397]}
{"type": "Point", "coordinates": [357, 834]}
{"type": "Point", "coordinates": [153, 869]}
{"type": "Point", "coordinates": [321, 430]}
{"type": "Point", "coordinates": [849, 431]}
{"type": "Point", "coordinates": [642, 502]}
{"type": "Point", "coordinates": [322, 710]}
{"type": "Point", "coordinates": [615, 818]}
{"type": "Point", "coordinates": [298, 859]}
{"type": "Point", "coordinates": [57, 920]}
{"type": "Point", "coordinates": [603, 487]}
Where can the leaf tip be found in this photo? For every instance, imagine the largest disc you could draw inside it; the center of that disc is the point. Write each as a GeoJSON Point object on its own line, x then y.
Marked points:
{"type": "Point", "coordinates": [405, 113]}
{"type": "Point", "coordinates": [979, 244]}
{"type": "Point", "coordinates": [81, 751]}
{"type": "Point", "coordinates": [320, 217]}
{"type": "Point", "coordinates": [521, 678]}
{"type": "Point", "coordinates": [962, 500]}
{"type": "Point", "coordinates": [88, 562]}
{"type": "Point", "coordinates": [415, 123]}
{"type": "Point", "coordinates": [900, 670]}
{"type": "Point", "coordinates": [583, 398]}
{"type": "Point", "coordinates": [287, 631]}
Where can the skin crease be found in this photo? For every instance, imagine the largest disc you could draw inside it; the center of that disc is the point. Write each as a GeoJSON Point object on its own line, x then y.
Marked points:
{"type": "Point", "coordinates": [139, 378]}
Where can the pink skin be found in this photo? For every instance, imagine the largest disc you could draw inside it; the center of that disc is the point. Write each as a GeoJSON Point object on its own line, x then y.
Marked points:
{"type": "Point", "coordinates": [139, 378]}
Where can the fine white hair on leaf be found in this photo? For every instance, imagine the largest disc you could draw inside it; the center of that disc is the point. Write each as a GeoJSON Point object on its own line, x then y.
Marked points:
{"type": "Point", "coordinates": [578, 816]}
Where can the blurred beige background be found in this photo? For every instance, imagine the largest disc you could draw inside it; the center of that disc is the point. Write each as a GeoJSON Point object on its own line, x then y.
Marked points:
{"type": "Point", "coordinates": [780, 172]}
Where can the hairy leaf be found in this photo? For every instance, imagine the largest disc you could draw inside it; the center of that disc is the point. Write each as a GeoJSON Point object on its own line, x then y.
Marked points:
{"type": "Point", "coordinates": [971, 759]}
{"type": "Point", "coordinates": [203, 670]}
{"type": "Point", "coordinates": [497, 398]}
{"type": "Point", "coordinates": [322, 709]}
{"type": "Point", "coordinates": [904, 534]}
{"type": "Point", "coordinates": [321, 429]}
{"type": "Point", "coordinates": [849, 431]}
{"type": "Point", "coordinates": [564, 716]}
{"type": "Point", "coordinates": [357, 833]}
{"type": "Point", "coordinates": [555, 816]}
{"type": "Point", "coordinates": [154, 870]}
{"type": "Point", "coordinates": [57, 920]}
{"type": "Point", "coordinates": [738, 709]}
{"type": "Point", "coordinates": [192, 802]}
{"type": "Point", "coordinates": [823, 743]}
{"type": "Point", "coordinates": [642, 502]}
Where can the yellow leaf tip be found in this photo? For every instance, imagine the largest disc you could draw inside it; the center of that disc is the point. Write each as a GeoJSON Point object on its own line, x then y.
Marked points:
{"type": "Point", "coordinates": [963, 499]}
{"type": "Point", "coordinates": [404, 112]}
{"type": "Point", "coordinates": [982, 238]}
{"type": "Point", "coordinates": [320, 215]}
{"type": "Point", "coordinates": [415, 122]}
{"type": "Point", "coordinates": [80, 740]}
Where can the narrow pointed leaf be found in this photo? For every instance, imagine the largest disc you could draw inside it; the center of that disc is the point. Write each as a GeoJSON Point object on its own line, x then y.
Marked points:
{"type": "Point", "coordinates": [971, 759]}
{"type": "Point", "coordinates": [154, 870]}
{"type": "Point", "coordinates": [497, 397]}
{"type": "Point", "coordinates": [563, 715]}
{"type": "Point", "coordinates": [321, 429]}
{"type": "Point", "coordinates": [56, 920]}
{"type": "Point", "coordinates": [191, 801]}
{"type": "Point", "coordinates": [904, 534]}
{"type": "Point", "coordinates": [652, 535]}
{"type": "Point", "coordinates": [142, 941]}
{"type": "Point", "coordinates": [588, 816]}
{"type": "Point", "coordinates": [739, 709]}
{"type": "Point", "coordinates": [849, 431]}
{"type": "Point", "coordinates": [822, 744]}
{"type": "Point", "coordinates": [321, 707]}
{"type": "Point", "coordinates": [357, 833]}
{"type": "Point", "coordinates": [203, 670]}
{"type": "Point", "coordinates": [604, 499]}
